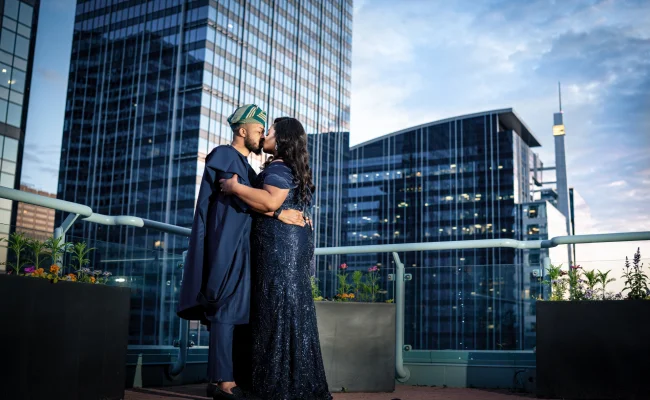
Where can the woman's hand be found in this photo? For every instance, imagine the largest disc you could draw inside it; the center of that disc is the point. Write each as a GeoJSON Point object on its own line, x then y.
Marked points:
{"type": "Point", "coordinates": [229, 186]}
{"type": "Point", "coordinates": [292, 217]}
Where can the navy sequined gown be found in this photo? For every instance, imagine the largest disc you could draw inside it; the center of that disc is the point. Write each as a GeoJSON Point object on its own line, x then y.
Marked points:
{"type": "Point", "coordinates": [287, 362]}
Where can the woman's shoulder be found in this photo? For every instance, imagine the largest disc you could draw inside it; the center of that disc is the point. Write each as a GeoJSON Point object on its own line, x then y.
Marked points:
{"type": "Point", "coordinates": [280, 170]}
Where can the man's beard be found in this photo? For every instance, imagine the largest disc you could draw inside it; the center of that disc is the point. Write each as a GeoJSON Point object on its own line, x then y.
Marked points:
{"type": "Point", "coordinates": [252, 148]}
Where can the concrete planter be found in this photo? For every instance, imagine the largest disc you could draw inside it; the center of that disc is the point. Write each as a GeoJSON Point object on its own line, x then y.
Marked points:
{"type": "Point", "coordinates": [593, 349]}
{"type": "Point", "coordinates": [358, 345]}
{"type": "Point", "coordinates": [62, 341]}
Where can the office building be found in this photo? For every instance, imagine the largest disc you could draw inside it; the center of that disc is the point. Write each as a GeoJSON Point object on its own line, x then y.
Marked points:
{"type": "Point", "coordinates": [35, 221]}
{"type": "Point", "coordinates": [17, 41]}
{"type": "Point", "coordinates": [462, 178]}
{"type": "Point", "coordinates": [151, 85]}
{"type": "Point", "coordinates": [540, 220]}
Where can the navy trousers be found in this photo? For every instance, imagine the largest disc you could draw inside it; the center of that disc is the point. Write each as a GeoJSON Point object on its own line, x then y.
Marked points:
{"type": "Point", "coordinates": [220, 368]}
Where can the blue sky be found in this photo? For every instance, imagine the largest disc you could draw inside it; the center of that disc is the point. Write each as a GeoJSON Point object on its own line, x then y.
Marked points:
{"type": "Point", "coordinates": [426, 60]}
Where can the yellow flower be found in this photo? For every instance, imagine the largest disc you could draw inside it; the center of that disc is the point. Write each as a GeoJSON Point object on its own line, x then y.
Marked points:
{"type": "Point", "coordinates": [351, 295]}
{"type": "Point", "coordinates": [72, 277]}
{"type": "Point", "coordinates": [54, 269]}
{"type": "Point", "coordinates": [92, 279]}
{"type": "Point", "coordinates": [39, 272]}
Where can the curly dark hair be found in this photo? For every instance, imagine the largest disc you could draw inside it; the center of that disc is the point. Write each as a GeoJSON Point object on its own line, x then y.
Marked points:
{"type": "Point", "coordinates": [291, 141]}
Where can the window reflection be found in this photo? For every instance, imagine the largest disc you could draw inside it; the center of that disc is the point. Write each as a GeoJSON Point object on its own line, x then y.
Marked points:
{"type": "Point", "coordinates": [26, 13]}
{"type": "Point", "coordinates": [14, 115]}
{"type": "Point", "coordinates": [7, 40]}
{"type": "Point", "coordinates": [11, 8]}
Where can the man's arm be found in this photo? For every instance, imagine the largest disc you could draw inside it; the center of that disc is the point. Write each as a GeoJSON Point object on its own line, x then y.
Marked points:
{"type": "Point", "coordinates": [270, 198]}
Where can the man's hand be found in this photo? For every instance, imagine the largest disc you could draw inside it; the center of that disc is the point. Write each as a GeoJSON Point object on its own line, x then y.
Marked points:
{"type": "Point", "coordinates": [228, 185]}
{"type": "Point", "coordinates": [292, 217]}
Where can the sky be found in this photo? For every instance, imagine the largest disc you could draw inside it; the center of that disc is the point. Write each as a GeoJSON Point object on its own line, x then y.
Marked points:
{"type": "Point", "coordinates": [418, 61]}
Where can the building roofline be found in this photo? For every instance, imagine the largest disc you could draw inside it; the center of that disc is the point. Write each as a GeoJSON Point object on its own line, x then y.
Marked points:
{"type": "Point", "coordinates": [507, 116]}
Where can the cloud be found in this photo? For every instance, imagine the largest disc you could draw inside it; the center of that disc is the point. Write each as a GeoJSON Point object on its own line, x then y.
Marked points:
{"type": "Point", "coordinates": [617, 184]}
{"type": "Point", "coordinates": [52, 75]}
{"type": "Point", "coordinates": [425, 61]}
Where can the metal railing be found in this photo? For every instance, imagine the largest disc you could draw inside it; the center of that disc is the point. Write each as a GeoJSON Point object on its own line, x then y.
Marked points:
{"type": "Point", "coordinates": [402, 373]}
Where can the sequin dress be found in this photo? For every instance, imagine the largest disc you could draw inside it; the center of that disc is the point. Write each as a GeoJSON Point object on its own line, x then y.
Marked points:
{"type": "Point", "coordinates": [287, 361]}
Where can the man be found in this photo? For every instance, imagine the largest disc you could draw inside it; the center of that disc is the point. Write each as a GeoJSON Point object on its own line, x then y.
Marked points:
{"type": "Point", "coordinates": [216, 281]}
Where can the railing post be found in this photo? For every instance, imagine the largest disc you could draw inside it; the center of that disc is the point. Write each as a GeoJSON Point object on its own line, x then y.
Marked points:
{"type": "Point", "coordinates": [179, 365]}
{"type": "Point", "coordinates": [546, 265]}
{"type": "Point", "coordinates": [59, 232]}
{"type": "Point", "coordinates": [402, 373]}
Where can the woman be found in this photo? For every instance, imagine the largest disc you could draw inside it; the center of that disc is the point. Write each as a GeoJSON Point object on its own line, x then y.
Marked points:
{"type": "Point", "coordinates": [287, 361]}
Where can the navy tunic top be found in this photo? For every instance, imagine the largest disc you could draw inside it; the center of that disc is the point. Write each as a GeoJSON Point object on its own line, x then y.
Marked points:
{"type": "Point", "coordinates": [216, 277]}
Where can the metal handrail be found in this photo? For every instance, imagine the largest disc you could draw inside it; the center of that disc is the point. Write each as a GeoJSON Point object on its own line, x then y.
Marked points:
{"type": "Point", "coordinates": [86, 213]}
{"type": "Point", "coordinates": [402, 373]}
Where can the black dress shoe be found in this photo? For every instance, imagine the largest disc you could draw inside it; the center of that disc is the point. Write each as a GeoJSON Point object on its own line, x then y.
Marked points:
{"type": "Point", "coordinates": [209, 390]}
{"type": "Point", "coordinates": [237, 393]}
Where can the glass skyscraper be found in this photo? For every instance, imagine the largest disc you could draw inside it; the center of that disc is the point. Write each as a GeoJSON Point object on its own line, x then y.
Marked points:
{"type": "Point", "coordinates": [462, 178]}
{"type": "Point", "coordinates": [18, 21]}
{"type": "Point", "coordinates": [151, 85]}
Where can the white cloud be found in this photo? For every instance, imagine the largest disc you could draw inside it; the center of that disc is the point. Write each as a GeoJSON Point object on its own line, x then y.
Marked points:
{"type": "Point", "coordinates": [617, 184]}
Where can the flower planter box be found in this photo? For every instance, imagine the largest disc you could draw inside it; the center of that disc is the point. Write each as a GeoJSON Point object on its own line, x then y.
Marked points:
{"type": "Point", "coordinates": [62, 341]}
{"type": "Point", "coordinates": [358, 345]}
{"type": "Point", "coordinates": [593, 349]}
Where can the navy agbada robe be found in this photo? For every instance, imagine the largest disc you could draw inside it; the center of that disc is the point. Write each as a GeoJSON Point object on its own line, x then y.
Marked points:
{"type": "Point", "coordinates": [216, 279]}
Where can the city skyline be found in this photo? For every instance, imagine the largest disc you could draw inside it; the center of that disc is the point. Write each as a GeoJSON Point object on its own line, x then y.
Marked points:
{"type": "Point", "coordinates": [599, 54]}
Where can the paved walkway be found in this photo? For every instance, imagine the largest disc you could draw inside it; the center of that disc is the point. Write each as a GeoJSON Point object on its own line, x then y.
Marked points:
{"type": "Point", "coordinates": [197, 392]}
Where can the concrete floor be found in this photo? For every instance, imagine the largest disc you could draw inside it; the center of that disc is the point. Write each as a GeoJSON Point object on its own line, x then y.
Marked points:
{"type": "Point", "coordinates": [197, 392]}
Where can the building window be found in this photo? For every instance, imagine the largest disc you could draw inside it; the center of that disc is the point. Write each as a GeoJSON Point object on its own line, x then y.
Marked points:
{"type": "Point", "coordinates": [7, 41]}
{"type": "Point", "coordinates": [533, 212]}
{"type": "Point", "coordinates": [7, 180]}
{"type": "Point", "coordinates": [14, 115]}
{"type": "Point", "coordinates": [26, 13]}
{"type": "Point", "coordinates": [10, 149]}
{"type": "Point", "coordinates": [22, 47]}
{"type": "Point", "coordinates": [11, 8]}
{"type": "Point", "coordinates": [533, 229]}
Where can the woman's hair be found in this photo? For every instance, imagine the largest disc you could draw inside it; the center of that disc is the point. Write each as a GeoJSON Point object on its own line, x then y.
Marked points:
{"type": "Point", "coordinates": [291, 141]}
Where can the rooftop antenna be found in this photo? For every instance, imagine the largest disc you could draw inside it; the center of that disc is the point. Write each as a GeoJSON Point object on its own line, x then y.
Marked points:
{"type": "Point", "coordinates": [559, 92]}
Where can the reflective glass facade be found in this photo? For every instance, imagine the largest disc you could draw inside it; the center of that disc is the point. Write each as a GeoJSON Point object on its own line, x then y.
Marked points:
{"type": "Point", "coordinates": [151, 85]}
{"type": "Point", "coordinates": [458, 179]}
{"type": "Point", "coordinates": [18, 21]}
{"type": "Point", "coordinates": [540, 220]}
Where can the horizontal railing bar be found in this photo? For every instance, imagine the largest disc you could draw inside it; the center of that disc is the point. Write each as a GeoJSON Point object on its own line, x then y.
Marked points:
{"type": "Point", "coordinates": [87, 213]}
{"type": "Point", "coordinates": [486, 243]}
{"type": "Point", "coordinates": [597, 238]}
{"type": "Point", "coordinates": [427, 246]}
{"type": "Point", "coordinates": [44, 201]}
{"type": "Point", "coordinates": [125, 220]}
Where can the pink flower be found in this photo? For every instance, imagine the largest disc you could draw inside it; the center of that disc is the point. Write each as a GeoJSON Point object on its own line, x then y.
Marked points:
{"type": "Point", "coordinates": [373, 269]}
{"type": "Point", "coordinates": [29, 270]}
{"type": "Point", "coordinates": [575, 267]}
{"type": "Point", "coordinates": [344, 266]}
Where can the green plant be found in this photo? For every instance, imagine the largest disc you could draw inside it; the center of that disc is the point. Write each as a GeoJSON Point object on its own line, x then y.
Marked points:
{"type": "Point", "coordinates": [343, 291]}
{"type": "Point", "coordinates": [372, 285]}
{"type": "Point", "coordinates": [37, 249]}
{"type": "Point", "coordinates": [604, 280]}
{"type": "Point", "coordinates": [636, 281]}
{"type": "Point", "coordinates": [80, 255]}
{"type": "Point", "coordinates": [592, 279]}
{"type": "Point", "coordinates": [557, 282]}
{"type": "Point", "coordinates": [17, 243]}
{"type": "Point", "coordinates": [357, 283]}
{"type": "Point", "coordinates": [576, 289]}
{"type": "Point", "coordinates": [56, 248]}
{"type": "Point", "coordinates": [364, 286]}
{"type": "Point", "coordinates": [315, 291]}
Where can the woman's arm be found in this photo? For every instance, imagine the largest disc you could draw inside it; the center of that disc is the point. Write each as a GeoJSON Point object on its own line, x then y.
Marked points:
{"type": "Point", "coordinates": [268, 199]}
